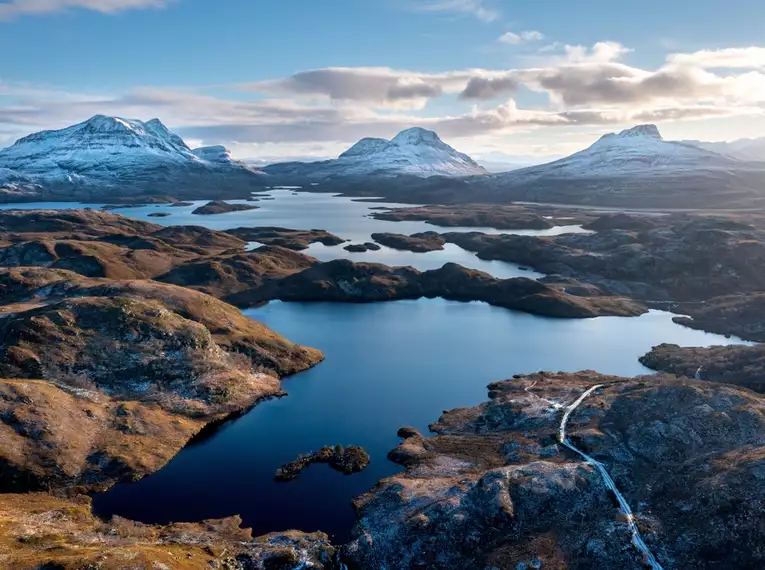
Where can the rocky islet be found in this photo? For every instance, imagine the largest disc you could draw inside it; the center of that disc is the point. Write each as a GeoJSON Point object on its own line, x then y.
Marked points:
{"type": "Point", "coordinates": [348, 460]}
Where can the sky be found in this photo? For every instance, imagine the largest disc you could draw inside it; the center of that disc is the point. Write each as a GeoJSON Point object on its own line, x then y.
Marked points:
{"type": "Point", "coordinates": [507, 81]}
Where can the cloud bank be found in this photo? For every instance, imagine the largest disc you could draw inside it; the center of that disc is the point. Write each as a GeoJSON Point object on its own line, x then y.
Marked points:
{"type": "Point", "coordinates": [573, 86]}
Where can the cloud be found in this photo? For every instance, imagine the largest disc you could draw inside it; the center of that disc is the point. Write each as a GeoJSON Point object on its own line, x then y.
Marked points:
{"type": "Point", "coordinates": [688, 113]}
{"type": "Point", "coordinates": [17, 8]}
{"type": "Point", "coordinates": [508, 117]}
{"type": "Point", "coordinates": [618, 84]}
{"type": "Point", "coordinates": [476, 8]}
{"type": "Point", "coordinates": [731, 58]}
{"type": "Point", "coordinates": [485, 88]}
{"type": "Point", "coordinates": [521, 37]}
{"type": "Point", "coordinates": [601, 52]}
{"type": "Point", "coordinates": [382, 85]}
{"type": "Point", "coordinates": [333, 107]}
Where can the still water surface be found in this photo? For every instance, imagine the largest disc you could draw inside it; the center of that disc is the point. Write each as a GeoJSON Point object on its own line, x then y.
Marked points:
{"type": "Point", "coordinates": [388, 365]}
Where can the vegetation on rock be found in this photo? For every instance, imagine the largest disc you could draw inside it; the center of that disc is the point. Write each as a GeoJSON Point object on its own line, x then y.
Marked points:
{"type": "Point", "coordinates": [347, 460]}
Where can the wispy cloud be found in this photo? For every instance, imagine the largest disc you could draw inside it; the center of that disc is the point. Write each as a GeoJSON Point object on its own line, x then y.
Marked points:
{"type": "Point", "coordinates": [476, 8]}
{"type": "Point", "coordinates": [514, 38]}
{"type": "Point", "coordinates": [748, 57]}
{"type": "Point", "coordinates": [17, 8]}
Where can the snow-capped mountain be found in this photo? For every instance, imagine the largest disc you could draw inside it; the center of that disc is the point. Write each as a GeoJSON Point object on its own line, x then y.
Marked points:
{"type": "Point", "coordinates": [640, 150]}
{"type": "Point", "coordinates": [96, 147]}
{"type": "Point", "coordinates": [741, 149]}
{"type": "Point", "coordinates": [415, 152]}
{"type": "Point", "coordinates": [633, 168]}
{"type": "Point", "coordinates": [111, 152]}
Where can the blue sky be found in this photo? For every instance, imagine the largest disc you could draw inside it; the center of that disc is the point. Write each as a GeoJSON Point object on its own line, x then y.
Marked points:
{"type": "Point", "coordinates": [496, 78]}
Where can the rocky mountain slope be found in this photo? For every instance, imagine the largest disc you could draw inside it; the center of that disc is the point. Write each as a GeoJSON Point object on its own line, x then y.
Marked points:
{"type": "Point", "coordinates": [43, 532]}
{"type": "Point", "coordinates": [416, 152]}
{"type": "Point", "coordinates": [106, 380]}
{"type": "Point", "coordinates": [113, 156]}
{"type": "Point", "coordinates": [495, 488]}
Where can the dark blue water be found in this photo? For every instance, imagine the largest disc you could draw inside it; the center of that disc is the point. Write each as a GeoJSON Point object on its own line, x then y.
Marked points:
{"type": "Point", "coordinates": [388, 365]}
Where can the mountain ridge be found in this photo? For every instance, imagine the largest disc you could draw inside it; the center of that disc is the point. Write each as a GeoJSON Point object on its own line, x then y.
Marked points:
{"type": "Point", "coordinates": [748, 149]}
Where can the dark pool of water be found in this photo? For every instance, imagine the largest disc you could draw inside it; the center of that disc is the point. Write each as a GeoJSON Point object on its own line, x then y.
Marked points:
{"type": "Point", "coordinates": [388, 365]}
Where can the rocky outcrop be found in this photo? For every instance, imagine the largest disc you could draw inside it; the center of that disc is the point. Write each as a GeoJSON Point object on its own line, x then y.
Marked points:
{"type": "Point", "coordinates": [681, 259]}
{"type": "Point", "coordinates": [501, 217]}
{"type": "Point", "coordinates": [621, 221]}
{"type": "Point", "coordinates": [71, 224]}
{"type": "Point", "coordinates": [494, 488]}
{"type": "Point", "coordinates": [739, 315]}
{"type": "Point", "coordinates": [99, 244]}
{"type": "Point", "coordinates": [227, 275]}
{"type": "Point", "coordinates": [283, 237]}
{"type": "Point", "coordinates": [739, 365]}
{"type": "Point", "coordinates": [121, 247]}
{"type": "Point", "coordinates": [417, 243]}
{"type": "Point", "coordinates": [347, 460]}
{"type": "Point", "coordinates": [362, 247]}
{"type": "Point", "coordinates": [41, 531]}
{"type": "Point", "coordinates": [344, 281]}
{"type": "Point", "coordinates": [94, 258]}
{"type": "Point", "coordinates": [221, 207]}
{"type": "Point", "coordinates": [104, 380]}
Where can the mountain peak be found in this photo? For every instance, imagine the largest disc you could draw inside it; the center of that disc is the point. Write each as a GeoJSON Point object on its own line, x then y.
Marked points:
{"type": "Point", "coordinates": [105, 124]}
{"type": "Point", "coordinates": [650, 131]}
{"type": "Point", "coordinates": [414, 152]}
{"type": "Point", "coordinates": [367, 145]}
{"type": "Point", "coordinates": [416, 136]}
{"type": "Point", "coordinates": [637, 133]}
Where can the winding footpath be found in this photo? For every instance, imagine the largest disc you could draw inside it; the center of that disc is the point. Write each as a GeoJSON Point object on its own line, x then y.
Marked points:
{"type": "Point", "coordinates": [649, 560]}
